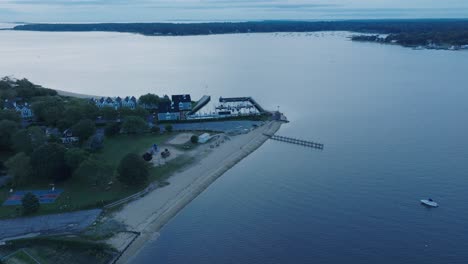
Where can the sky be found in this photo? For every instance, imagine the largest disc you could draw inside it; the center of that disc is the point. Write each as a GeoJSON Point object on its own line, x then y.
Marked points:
{"type": "Point", "coordinates": [224, 10]}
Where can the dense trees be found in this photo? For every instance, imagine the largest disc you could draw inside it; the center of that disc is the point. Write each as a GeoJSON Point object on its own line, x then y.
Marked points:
{"type": "Point", "coordinates": [30, 204]}
{"type": "Point", "coordinates": [26, 140]}
{"type": "Point", "coordinates": [23, 88]}
{"type": "Point", "coordinates": [112, 129]}
{"type": "Point", "coordinates": [49, 109]}
{"type": "Point", "coordinates": [41, 152]}
{"type": "Point", "coordinates": [108, 113]}
{"type": "Point", "coordinates": [168, 128]}
{"type": "Point", "coordinates": [74, 157]}
{"type": "Point", "coordinates": [149, 101]}
{"type": "Point", "coordinates": [134, 125]}
{"type": "Point", "coordinates": [9, 115]}
{"type": "Point", "coordinates": [48, 162]}
{"type": "Point", "coordinates": [133, 170]}
{"type": "Point", "coordinates": [7, 130]}
{"type": "Point", "coordinates": [20, 168]}
{"type": "Point", "coordinates": [84, 129]}
{"type": "Point", "coordinates": [407, 32]}
{"type": "Point", "coordinates": [139, 111]}
{"type": "Point", "coordinates": [96, 172]}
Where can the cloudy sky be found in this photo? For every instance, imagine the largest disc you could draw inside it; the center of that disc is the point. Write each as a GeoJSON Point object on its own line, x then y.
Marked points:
{"type": "Point", "coordinates": [230, 10]}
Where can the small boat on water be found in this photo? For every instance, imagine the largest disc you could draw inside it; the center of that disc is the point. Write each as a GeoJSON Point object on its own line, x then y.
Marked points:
{"type": "Point", "coordinates": [430, 203]}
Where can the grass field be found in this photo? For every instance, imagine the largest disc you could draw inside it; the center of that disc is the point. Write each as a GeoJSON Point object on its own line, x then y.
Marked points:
{"type": "Point", "coordinates": [19, 257]}
{"type": "Point", "coordinates": [79, 194]}
{"type": "Point", "coordinates": [49, 250]}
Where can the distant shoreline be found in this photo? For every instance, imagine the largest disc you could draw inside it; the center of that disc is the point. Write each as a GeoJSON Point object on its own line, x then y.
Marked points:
{"type": "Point", "coordinates": [405, 32]}
{"type": "Point", "coordinates": [72, 94]}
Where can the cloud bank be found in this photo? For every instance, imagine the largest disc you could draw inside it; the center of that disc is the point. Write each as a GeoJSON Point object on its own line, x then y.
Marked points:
{"type": "Point", "coordinates": [224, 10]}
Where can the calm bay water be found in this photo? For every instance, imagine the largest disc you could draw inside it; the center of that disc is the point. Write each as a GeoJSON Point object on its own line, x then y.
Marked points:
{"type": "Point", "coordinates": [393, 121]}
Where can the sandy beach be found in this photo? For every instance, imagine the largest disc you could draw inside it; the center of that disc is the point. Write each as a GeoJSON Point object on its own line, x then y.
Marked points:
{"type": "Point", "coordinates": [150, 213]}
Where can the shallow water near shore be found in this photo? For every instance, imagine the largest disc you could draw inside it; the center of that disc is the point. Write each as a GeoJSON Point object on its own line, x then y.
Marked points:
{"type": "Point", "coordinates": [393, 121]}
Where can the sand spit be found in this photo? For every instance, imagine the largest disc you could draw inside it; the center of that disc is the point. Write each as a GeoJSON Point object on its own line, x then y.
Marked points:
{"type": "Point", "coordinates": [150, 213]}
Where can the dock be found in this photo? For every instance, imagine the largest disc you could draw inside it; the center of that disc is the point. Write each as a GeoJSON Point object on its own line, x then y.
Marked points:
{"type": "Point", "coordinates": [305, 143]}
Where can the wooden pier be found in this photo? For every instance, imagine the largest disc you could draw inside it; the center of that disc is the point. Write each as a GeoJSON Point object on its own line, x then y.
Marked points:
{"type": "Point", "coordinates": [296, 141]}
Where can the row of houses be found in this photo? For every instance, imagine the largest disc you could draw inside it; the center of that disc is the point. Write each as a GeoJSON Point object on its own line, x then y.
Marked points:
{"type": "Point", "coordinates": [174, 108]}
{"type": "Point", "coordinates": [18, 105]}
{"type": "Point", "coordinates": [116, 102]}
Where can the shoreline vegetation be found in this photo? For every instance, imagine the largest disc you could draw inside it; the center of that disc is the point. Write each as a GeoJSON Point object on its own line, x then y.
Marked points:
{"type": "Point", "coordinates": [37, 125]}
{"type": "Point", "coordinates": [450, 34]}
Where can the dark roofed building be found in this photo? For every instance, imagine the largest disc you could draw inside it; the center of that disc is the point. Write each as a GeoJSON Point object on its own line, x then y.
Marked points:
{"type": "Point", "coordinates": [168, 111]}
{"type": "Point", "coordinates": [183, 102]}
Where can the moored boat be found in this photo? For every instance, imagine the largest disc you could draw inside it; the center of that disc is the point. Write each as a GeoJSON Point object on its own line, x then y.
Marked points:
{"type": "Point", "coordinates": [429, 202]}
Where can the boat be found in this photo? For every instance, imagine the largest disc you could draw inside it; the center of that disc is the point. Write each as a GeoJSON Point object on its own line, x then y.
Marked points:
{"type": "Point", "coordinates": [429, 202]}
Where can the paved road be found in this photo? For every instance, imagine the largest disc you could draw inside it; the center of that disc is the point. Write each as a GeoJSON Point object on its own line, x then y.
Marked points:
{"type": "Point", "coordinates": [48, 224]}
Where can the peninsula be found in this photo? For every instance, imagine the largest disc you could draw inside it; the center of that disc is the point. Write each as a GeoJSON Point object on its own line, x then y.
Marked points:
{"type": "Point", "coordinates": [111, 171]}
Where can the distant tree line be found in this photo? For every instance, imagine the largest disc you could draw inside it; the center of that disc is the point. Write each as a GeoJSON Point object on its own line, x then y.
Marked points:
{"type": "Point", "coordinates": [406, 32]}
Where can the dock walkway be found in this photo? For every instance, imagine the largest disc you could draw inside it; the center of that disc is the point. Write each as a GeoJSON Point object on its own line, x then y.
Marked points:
{"type": "Point", "coordinates": [296, 141]}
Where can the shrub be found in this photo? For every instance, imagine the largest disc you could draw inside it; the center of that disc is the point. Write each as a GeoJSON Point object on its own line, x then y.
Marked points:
{"type": "Point", "coordinates": [20, 167]}
{"type": "Point", "coordinates": [84, 129]}
{"type": "Point", "coordinates": [156, 130]}
{"type": "Point", "coordinates": [112, 129]}
{"type": "Point", "coordinates": [168, 128]}
{"type": "Point", "coordinates": [48, 162]}
{"type": "Point", "coordinates": [74, 157]}
{"type": "Point", "coordinates": [132, 170]}
{"type": "Point", "coordinates": [30, 204]}
{"type": "Point", "coordinates": [134, 125]}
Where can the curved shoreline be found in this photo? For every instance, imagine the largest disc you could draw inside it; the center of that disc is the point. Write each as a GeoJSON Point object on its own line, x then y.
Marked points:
{"type": "Point", "coordinates": [159, 215]}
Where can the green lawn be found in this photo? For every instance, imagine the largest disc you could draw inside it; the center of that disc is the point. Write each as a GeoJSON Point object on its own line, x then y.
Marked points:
{"type": "Point", "coordinates": [79, 194]}
{"type": "Point", "coordinates": [20, 257]}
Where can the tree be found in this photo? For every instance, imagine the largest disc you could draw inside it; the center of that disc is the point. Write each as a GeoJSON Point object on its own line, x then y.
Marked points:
{"type": "Point", "coordinates": [194, 139]}
{"type": "Point", "coordinates": [74, 157]}
{"type": "Point", "coordinates": [133, 170]}
{"type": "Point", "coordinates": [134, 125]}
{"type": "Point", "coordinates": [76, 110]}
{"type": "Point", "coordinates": [168, 128]}
{"type": "Point", "coordinates": [108, 113]}
{"type": "Point", "coordinates": [71, 115]}
{"type": "Point", "coordinates": [7, 130]}
{"type": "Point", "coordinates": [48, 162]}
{"type": "Point", "coordinates": [20, 167]}
{"type": "Point", "coordinates": [141, 112]}
{"type": "Point", "coordinates": [11, 115]}
{"type": "Point", "coordinates": [49, 109]}
{"type": "Point", "coordinates": [149, 101]}
{"type": "Point", "coordinates": [155, 129]}
{"type": "Point", "coordinates": [112, 129]}
{"type": "Point", "coordinates": [26, 140]}
{"type": "Point", "coordinates": [30, 204]}
{"type": "Point", "coordinates": [95, 171]}
{"type": "Point", "coordinates": [84, 129]}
